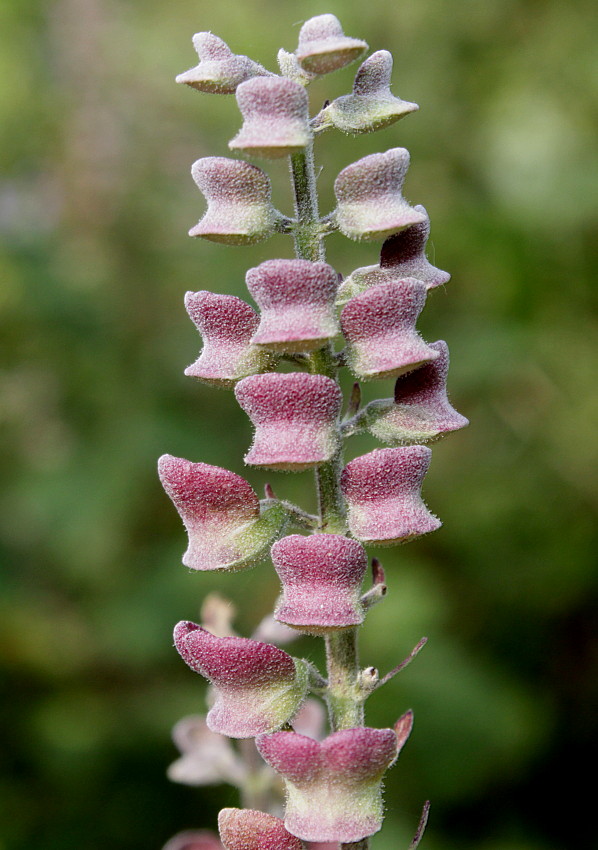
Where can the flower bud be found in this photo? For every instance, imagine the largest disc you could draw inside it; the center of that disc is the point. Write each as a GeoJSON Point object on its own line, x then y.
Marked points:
{"type": "Point", "coordinates": [258, 686]}
{"type": "Point", "coordinates": [420, 410]}
{"type": "Point", "coordinates": [248, 829]}
{"type": "Point", "coordinates": [219, 71]}
{"type": "Point", "coordinates": [194, 839]}
{"type": "Point", "coordinates": [404, 254]}
{"type": "Point", "coordinates": [323, 46]}
{"type": "Point", "coordinates": [371, 106]}
{"type": "Point", "coordinates": [238, 194]}
{"type": "Point", "coordinates": [382, 489]}
{"type": "Point", "coordinates": [295, 417]}
{"type": "Point", "coordinates": [370, 203]}
{"type": "Point", "coordinates": [321, 578]}
{"type": "Point", "coordinates": [228, 527]}
{"type": "Point", "coordinates": [206, 757]}
{"type": "Point", "coordinates": [275, 117]}
{"type": "Point", "coordinates": [227, 325]}
{"type": "Point", "coordinates": [296, 301]}
{"type": "Point", "coordinates": [379, 327]}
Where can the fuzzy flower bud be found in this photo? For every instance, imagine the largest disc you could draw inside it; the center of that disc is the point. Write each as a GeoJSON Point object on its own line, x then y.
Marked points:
{"type": "Point", "coordinates": [276, 117]}
{"type": "Point", "coordinates": [248, 829]}
{"type": "Point", "coordinates": [323, 46]}
{"type": "Point", "coordinates": [227, 325]}
{"type": "Point", "coordinates": [379, 327]}
{"type": "Point", "coordinates": [219, 71]}
{"type": "Point", "coordinates": [321, 578]}
{"type": "Point", "coordinates": [194, 839]}
{"type": "Point", "coordinates": [370, 203]}
{"type": "Point", "coordinates": [206, 757]}
{"type": "Point", "coordinates": [382, 489]}
{"type": "Point", "coordinates": [258, 686]}
{"type": "Point", "coordinates": [227, 525]}
{"type": "Point", "coordinates": [404, 254]}
{"type": "Point", "coordinates": [296, 301]}
{"type": "Point", "coordinates": [295, 417]}
{"type": "Point", "coordinates": [238, 194]}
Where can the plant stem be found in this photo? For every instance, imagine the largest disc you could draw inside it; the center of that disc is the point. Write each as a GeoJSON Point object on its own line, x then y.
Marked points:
{"type": "Point", "coordinates": [344, 705]}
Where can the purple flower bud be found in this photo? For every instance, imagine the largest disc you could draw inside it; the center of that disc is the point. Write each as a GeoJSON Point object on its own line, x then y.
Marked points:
{"type": "Point", "coordinates": [296, 301]}
{"type": "Point", "coordinates": [228, 527]}
{"type": "Point", "coordinates": [370, 203]}
{"type": "Point", "coordinates": [258, 686]}
{"type": "Point", "coordinates": [323, 47]}
{"type": "Point", "coordinates": [206, 757]}
{"type": "Point", "coordinates": [276, 117]}
{"type": "Point", "coordinates": [227, 325]}
{"type": "Point", "coordinates": [219, 71]}
{"type": "Point", "coordinates": [379, 327]}
{"type": "Point", "coordinates": [371, 106]}
{"type": "Point", "coordinates": [239, 208]}
{"type": "Point", "coordinates": [247, 829]}
{"type": "Point", "coordinates": [382, 489]}
{"type": "Point", "coordinates": [404, 254]}
{"type": "Point", "coordinates": [194, 839]}
{"type": "Point", "coordinates": [333, 786]}
{"type": "Point", "coordinates": [321, 578]}
{"type": "Point", "coordinates": [420, 410]}
{"type": "Point", "coordinates": [295, 417]}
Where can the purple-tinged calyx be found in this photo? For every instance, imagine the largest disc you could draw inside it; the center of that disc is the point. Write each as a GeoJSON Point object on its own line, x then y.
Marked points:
{"type": "Point", "coordinates": [371, 106]}
{"type": "Point", "coordinates": [420, 410]}
{"type": "Point", "coordinates": [295, 417]}
{"type": "Point", "coordinates": [248, 829]}
{"type": "Point", "coordinates": [207, 758]}
{"type": "Point", "coordinates": [226, 324]}
{"type": "Point", "coordinates": [323, 47]}
{"type": "Point", "coordinates": [334, 786]}
{"type": "Point", "coordinates": [275, 118]}
{"type": "Point", "coordinates": [368, 192]}
{"type": "Point", "coordinates": [379, 327]}
{"type": "Point", "coordinates": [220, 70]}
{"type": "Point", "coordinates": [258, 687]}
{"type": "Point", "coordinates": [382, 489]}
{"type": "Point", "coordinates": [321, 577]}
{"type": "Point", "coordinates": [238, 194]}
{"type": "Point", "coordinates": [228, 527]}
{"type": "Point", "coordinates": [194, 839]}
{"type": "Point", "coordinates": [296, 301]}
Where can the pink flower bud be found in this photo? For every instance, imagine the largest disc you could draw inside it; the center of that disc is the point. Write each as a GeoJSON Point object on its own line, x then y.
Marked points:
{"type": "Point", "coordinates": [239, 208]}
{"type": "Point", "coordinates": [228, 527]}
{"type": "Point", "coordinates": [370, 203]}
{"type": "Point", "coordinates": [404, 254]}
{"type": "Point", "coordinates": [296, 301]}
{"type": "Point", "coordinates": [323, 47]}
{"type": "Point", "coordinates": [258, 686]}
{"type": "Point", "coordinates": [371, 106]}
{"type": "Point", "coordinates": [247, 829]}
{"type": "Point", "coordinates": [276, 117]}
{"type": "Point", "coordinates": [321, 578]}
{"type": "Point", "coordinates": [333, 786]}
{"type": "Point", "coordinates": [219, 71]}
{"type": "Point", "coordinates": [382, 489]}
{"type": "Point", "coordinates": [227, 325]}
{"type": "Point", "coordinates": [295, 417]}
{"type": "Point", "coordinates": [379, 327]}
{"type": "Point", "coordinates": [194, 839]}
{"type": "Point", "coordinates": [420, 410]}
{"type": "Point", "coordinates": [206, 757]}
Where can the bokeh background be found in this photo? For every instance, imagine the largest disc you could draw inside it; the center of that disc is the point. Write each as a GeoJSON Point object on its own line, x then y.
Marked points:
{"type": "Point", "coordinates": [95, 204]}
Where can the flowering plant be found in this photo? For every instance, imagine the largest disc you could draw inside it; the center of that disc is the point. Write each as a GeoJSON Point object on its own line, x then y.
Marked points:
{"type": "Point", "coordinates": [332, 786]}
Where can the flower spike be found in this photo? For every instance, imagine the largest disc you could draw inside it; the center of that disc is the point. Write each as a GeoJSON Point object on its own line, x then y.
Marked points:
{"type": "Point", "coordinates": [248, 829]}
{"type": "Point", "coordinates": [220, 71]}
{"type": "Point", "coordinates": [323, 46]}
{"type": "Point", "coordinates": [276, 117]}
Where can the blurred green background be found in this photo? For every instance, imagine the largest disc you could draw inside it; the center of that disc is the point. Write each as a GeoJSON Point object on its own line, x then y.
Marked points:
{"type": "Point", "coordinates": [95, 204]}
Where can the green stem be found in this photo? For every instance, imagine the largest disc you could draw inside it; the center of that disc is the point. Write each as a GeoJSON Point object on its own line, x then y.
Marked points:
{"type": "Point", "coordinates": [344, 704]}
{"type": "Point", "coordinates": [309, 244]}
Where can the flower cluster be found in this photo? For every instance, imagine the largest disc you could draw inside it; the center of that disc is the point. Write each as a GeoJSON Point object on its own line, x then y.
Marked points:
{"type": "Point", "coordinates": [332, 785]}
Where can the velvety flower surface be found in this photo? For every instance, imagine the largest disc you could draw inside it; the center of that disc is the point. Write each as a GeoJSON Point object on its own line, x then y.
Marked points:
{"type": "Point", "coordinates": [238, 194]}
{"type": "Point", "coordinates": [207, 758]}
{"type": "Point", "coordinates": [420, 410]}
{"type": "Point", "coordinates": [321, 578]}
{"type": "Point", "coordinates": [258, 686]}
{"type": "Point", "coordinates": [228, 527]}
{"type": "Point", "coordinates": [404, 254]}
{"type": "Point", "coordinates": [247, 829]}
{"type": "Point", "coordinates": [323, 46]}
{"type": "Point", "coordinates": [379, 327]}
{"type": "Point", "coordinates": [296, 301]}
{"type": "Point", "coordinates": [382, 489]}
{"type": "Point", "coordinates": [227, 325]}
{"type": "Point", "coordinates": [371, 106]}
{"type": "Point", "coordinates": [219, 71]}
{"type": "Point", "coordinates": [370, 203]}
{"type": "Point", "coordinates": [333, 786]}
{"type": "Point", "coordinates": [295, 417]}
{"type": "Point", "coordinates": [275, 117]}
{"type": "Point", "coordinates": [194, 839]}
